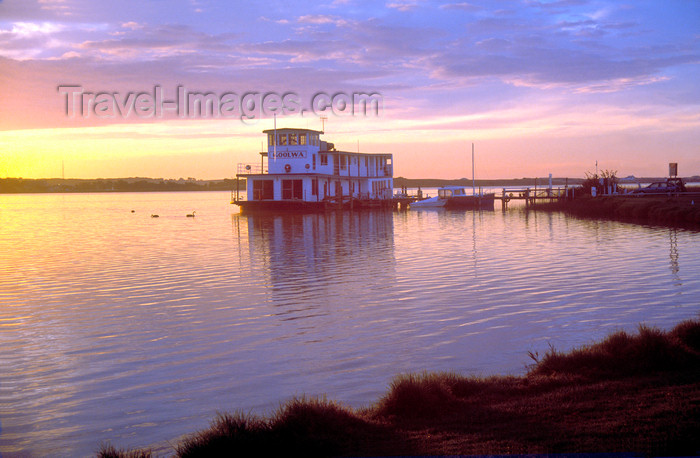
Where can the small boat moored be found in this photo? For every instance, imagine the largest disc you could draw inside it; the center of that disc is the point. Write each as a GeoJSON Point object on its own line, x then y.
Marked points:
{"type": "Point", "coordinates": [455, 197]}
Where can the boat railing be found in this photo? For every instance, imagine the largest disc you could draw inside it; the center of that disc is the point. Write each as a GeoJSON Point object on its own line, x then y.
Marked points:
{"type": "Point", "coordinates": [251, 169]}
{"type": "Point", "coordinates": [533, 193]}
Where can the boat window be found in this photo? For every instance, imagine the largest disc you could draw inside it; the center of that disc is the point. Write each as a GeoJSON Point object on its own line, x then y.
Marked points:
{"type": "Point", "coordinates": [283, 139]}
{"type": "Point", "coordinates": [302, 139]}
{"type": "Point", "coordinates": [263, 189]}
{"type": "Point", "coordinates": [270, 139]}
{"type": "Point", "coordinates": [292, 139]}
{"type": "Point", "coordinates": [292, 189]}
{"type": "Point", "coordinates": [324, 159]}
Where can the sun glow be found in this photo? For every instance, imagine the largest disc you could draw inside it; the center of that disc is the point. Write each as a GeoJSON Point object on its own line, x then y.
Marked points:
{"type": "Point", "coordinates": [154, 149]}
{"type": "Point", "coordinates": [513, 142]}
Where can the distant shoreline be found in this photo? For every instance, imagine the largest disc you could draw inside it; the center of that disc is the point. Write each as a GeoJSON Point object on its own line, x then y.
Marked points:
{"type": "Point", "coordinates": [74, 185]}
{"type": "Point", "coordinates": [142, 184]}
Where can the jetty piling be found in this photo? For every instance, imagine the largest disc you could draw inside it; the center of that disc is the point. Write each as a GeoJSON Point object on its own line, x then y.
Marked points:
{"type": "Point", "coordinates": [530, 195]}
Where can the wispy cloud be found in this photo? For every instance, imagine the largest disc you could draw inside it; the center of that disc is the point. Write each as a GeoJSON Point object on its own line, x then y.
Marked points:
{"type": "Point", "coordinates": [59, 6]}
{"type": "Point", "coordinates": [431, 60]}
{"type": "Point", "coordinates": [404, 5]}
{"type": "Point", "coordinates": [132, 25]}
{"type": "Point", "coordinates": [463, 6]}
{"type": "Point", "coordinates": [321, 19]}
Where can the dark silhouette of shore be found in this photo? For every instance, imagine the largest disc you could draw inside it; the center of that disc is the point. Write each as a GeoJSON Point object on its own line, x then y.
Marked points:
{"type": "Point", "coordinates": [50, 185]}
{"type": "Point", "coordinates": [143, 184]}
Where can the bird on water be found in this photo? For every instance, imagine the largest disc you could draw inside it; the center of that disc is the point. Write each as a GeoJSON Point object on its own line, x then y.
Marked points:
{"type": "Point", "coordinates": [191, 215]}
{"type": "Point", "coordinates": [154, 216]}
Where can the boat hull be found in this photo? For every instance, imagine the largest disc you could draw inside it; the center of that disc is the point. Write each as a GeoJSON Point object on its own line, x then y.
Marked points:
{"type": "Point", "coordinates": [483, 201]}
{"type": "Point", "coordinates": [433, 202]}
{"type": "Point", "coordinates": [296, 206]}
{"type": "Point", "coordinates": [475, 202]}
{"type": "Point", "coordinates": [300, 206]}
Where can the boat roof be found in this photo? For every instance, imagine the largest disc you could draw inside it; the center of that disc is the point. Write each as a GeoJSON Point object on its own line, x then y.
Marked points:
{"type": "Point", "coordinates": [355, 153]}
{"type": "Point", "coordinates": [290, 129]}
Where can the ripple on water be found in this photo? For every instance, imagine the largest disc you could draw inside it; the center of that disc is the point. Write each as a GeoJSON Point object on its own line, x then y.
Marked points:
{"type": "Point", "coordinates": [124, 328]}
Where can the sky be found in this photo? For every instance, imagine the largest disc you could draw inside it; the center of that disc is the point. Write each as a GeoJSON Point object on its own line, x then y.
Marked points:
{"type": "Point", "coordinates": [103, 89]}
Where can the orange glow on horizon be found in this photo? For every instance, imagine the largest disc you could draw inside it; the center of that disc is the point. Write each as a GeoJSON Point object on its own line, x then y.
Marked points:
{"type": "Point", "coordinates": [511, 143]}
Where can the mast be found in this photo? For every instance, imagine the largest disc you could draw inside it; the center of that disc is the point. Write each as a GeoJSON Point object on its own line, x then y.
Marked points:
{"type": "Point", "coordinates": [274, 143]}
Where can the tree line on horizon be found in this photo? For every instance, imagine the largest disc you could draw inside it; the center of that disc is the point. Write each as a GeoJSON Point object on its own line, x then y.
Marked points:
{"type": "Point", "coordinates": [142, 184]}
{"type": "Point", "coordinates": [48, 185]}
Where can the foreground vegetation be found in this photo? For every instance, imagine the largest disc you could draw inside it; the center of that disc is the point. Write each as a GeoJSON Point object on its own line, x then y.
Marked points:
{"type": "Point", "coordinates": [635, 393]}
{"type": "Point", "coordinates": [655, 210]}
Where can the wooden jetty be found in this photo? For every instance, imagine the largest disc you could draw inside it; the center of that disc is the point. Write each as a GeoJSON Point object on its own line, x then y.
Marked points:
{"type": "Point", "coordinates": [532, 195]}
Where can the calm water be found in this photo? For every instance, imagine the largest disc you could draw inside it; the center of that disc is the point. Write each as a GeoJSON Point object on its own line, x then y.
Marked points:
{"type": "Point", "coordinates": [115, 326]}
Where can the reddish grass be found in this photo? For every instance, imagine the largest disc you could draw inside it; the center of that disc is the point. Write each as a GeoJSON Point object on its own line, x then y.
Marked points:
{"type": "Point", "coordinates": [635, 393]}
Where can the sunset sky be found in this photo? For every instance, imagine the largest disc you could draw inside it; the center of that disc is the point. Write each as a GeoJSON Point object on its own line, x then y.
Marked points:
{"type": "Point", "coordinates": [538, 86]}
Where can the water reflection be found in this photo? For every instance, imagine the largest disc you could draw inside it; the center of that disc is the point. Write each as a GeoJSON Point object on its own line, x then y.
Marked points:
{"type": "Point", "coordinates": [673, 255]}
{"type": "Point", "coordinates": [116, 326]}
{"type": "Point", "coordinates": [307, 259]}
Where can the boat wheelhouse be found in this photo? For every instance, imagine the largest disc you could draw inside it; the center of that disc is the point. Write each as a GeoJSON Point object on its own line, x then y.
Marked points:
{"type": "Point", "coordinates": [299, 171]}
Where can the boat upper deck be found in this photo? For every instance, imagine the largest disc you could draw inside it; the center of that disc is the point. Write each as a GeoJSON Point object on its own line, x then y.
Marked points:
{"type": "Point", "coordinates": [301, 151]}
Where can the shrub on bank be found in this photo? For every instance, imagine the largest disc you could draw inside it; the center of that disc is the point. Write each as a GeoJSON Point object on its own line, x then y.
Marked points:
{"type": "Point", "coordinates": [688, 333]}
{"type": "Point", "coordinates": [110, 451]}
{"type": "Point", "coordinates": [419, 395]}
{"type": "Point", "coordinates": [600, 180]}
{"type": "Point", "coordinates": [301, 427]}
{"type": "Point", "coordinates": [623, 355]}
{"type": "Point", "coordinates": [248, 435]}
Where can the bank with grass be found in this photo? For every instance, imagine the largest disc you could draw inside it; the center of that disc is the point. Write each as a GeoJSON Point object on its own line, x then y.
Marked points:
{"type": "Point", "coordinates": [677, 210]}
{"type": "Point", "coordinates": [631, 393]}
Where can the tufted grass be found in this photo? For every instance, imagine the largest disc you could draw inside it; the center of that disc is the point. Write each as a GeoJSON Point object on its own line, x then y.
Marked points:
{"type": "Point", "coordinates": [630, 393]}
